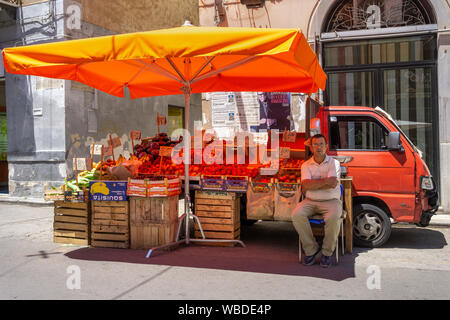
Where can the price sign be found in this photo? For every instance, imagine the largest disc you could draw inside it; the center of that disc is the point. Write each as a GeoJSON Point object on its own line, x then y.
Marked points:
{"type": "Point", "coordinates": [115, 142]}
{"type": "Point", "coordinates": [162, 120]}
{"type": "Point", "coordinates": [285, 153]}
{"type": "Point", "coordinates": [289, 136]}
{"type": "Point", "coordinates": [82, 164]}
{"type": "Point", "coordinates": [97, 150]}
{"type": "Point", "coordinates": [165, 151]}
{"type": "Point", "coordinates": [135, 135]}
{"type": "Point", "coordinates": [107, 151]}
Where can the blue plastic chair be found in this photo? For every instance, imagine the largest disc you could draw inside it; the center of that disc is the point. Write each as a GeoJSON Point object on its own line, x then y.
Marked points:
{"type": "Point", "coordinates": [318, 219]}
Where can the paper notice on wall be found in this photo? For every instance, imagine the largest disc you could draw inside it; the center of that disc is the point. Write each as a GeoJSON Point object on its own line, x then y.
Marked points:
{"type": "Point", "coordinates": [239, 110]}
{"type": "Point", "coordinates": [247, 110]}
{"type": "Point", "coordinates": [223, 109]}
{"type": "Point", "coordinates": [298, 111]}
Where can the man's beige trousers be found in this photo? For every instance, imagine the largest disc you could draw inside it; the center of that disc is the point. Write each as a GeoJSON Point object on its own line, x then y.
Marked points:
{"type": "Point", "coordinates": [331, 211]}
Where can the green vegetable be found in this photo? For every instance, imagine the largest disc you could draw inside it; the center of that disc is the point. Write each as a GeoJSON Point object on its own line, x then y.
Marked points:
{"type": "Point", "coordinates": [72, 185]}
{"type": "Point", "coordinates": [84, 179]}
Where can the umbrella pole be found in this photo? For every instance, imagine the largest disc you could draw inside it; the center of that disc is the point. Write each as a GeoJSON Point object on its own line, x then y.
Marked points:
{"type": "Point", "coordinates": [187, 160]}
{"type": "Point", "coordinates": [187, 198]}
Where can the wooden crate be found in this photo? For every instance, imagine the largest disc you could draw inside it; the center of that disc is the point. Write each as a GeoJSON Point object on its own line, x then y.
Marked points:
{"type": "Point", "coordinates": [145, 211]}
{"type": "Point", "coordinates": [153, 221]}
{"type": "Point", "coordinates": [219, 214]}
{"type": "Point", "coordinates": [110, 225]}
{"type": "Point", "coordinates": [152, 235]}
{"type": "Point", "coordinates": [71, 223]}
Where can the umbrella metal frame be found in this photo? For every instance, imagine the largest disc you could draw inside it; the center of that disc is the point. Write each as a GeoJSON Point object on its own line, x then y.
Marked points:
{"type": "Point", "coordinates": [186, 89]}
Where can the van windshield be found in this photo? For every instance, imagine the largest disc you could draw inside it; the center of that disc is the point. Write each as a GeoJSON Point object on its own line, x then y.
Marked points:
{"type": "Point", "coordinates": [389, 117]}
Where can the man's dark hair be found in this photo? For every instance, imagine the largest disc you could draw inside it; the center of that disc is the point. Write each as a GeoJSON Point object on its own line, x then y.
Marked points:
{"type": "Point", "coordinates": [318, 136]}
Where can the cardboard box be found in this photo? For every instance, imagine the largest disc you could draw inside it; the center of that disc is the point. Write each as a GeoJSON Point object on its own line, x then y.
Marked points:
{"type": "Point", "coordinates": [108, 190]}
{"type": "Point", "coordinates": [137, 188]}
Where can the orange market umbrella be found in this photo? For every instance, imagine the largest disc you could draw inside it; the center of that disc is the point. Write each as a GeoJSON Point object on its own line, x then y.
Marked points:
{"type": "Point", "coordinates": [180, 60]}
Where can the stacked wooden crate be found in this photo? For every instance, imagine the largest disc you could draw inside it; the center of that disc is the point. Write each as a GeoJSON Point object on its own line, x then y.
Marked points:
{"type": "Point", "coordinates": [153, 221]}
{"type": "Point", "coordinates": [219, 215]}
{"type": "Point", "coordinates": [110, 224]}
{"type": "Point", "coordinates": [71, 223]}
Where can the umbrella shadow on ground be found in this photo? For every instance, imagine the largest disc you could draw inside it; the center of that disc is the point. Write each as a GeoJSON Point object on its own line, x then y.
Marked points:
{"type": "Point", "coordinates": [271, 247]}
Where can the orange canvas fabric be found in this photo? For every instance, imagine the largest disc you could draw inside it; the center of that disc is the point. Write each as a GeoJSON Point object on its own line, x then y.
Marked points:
{"type": "Point", "coordinates": [161, 62]}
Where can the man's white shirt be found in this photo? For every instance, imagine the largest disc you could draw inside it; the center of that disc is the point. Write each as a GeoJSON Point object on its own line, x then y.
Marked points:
{"type": "Point", "coordinates": [329, 167]}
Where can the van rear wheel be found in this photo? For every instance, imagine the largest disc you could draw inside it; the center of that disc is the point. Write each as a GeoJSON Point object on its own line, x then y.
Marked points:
{"type": "Point", "coordinates": [371, 226]}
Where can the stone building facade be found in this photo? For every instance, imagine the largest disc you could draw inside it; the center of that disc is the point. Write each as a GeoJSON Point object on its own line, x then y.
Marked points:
{"type": "Point", "coordinates": [388, 53]}
{"type": "Point", "coordinates": [50, 121]}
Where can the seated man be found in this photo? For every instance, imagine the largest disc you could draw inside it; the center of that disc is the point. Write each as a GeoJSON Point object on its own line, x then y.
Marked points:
{"type": "Point", "coordinates": [321, 186]}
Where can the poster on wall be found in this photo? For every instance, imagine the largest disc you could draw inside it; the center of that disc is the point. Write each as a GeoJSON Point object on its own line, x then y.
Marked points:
{"type": "Point", "coordinates": [232, 112]}
{"type": "Point", "coordinates": [274, 111]}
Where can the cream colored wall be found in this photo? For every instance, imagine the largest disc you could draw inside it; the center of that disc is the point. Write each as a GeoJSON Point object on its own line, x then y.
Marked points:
{"type": "Point", "coordinates": [28, 2]}
{"type": "Point", "coordinates": [124, 16]}
{"type": "Point", "coordinates": [309, 16]}
{"type": "Point", "coordinates": [274, 14]}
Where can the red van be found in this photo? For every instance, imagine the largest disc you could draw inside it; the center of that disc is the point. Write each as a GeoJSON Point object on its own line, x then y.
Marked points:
{"type": "Point", "coordinates": [390, 179]}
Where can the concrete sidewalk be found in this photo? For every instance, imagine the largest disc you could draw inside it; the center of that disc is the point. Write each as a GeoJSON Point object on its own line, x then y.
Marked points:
{"type": "Point", "coordinates": [441, 218]}
{"type": "Point", "coordinates": [413, 264]}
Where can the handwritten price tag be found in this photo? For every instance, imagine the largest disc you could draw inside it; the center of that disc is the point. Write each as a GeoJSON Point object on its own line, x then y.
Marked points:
{"type": "Point", "coordinates": [107, 151]}
{"type": "Point", "coordinates": [289, 136]}
{"type": "Point", "coordinates": [161, 120]}
{"type": "Point", "coordinates": [115, 142]}
{"type": "Point", "coordinates": [165, 151]}
{"type": "Point", "coordinates": [82, 164]}
{"type": "Point", "coordinates": [135, 135]}
{"type": "Point", "coordinates": [97, 150]}
{"type": "Point", "coordinates": [285, 153]}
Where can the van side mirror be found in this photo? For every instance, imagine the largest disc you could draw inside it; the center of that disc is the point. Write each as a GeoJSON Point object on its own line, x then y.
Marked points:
{"type": "Point", "coordinates": [394, 143]}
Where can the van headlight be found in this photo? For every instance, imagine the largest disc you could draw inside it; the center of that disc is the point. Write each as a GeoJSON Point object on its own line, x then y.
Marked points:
{"type": "Point", "coordinates": [426, 183]}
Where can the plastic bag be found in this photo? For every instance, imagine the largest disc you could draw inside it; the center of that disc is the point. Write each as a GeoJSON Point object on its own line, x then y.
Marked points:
{"type": "Point", "coordinates": [132, 166]}
{"type": "Point", "coordinates": [260, 201]}
{"type": "Point", "coordinates": [120, 172]}
{"type": "Point", "coordinates": [287, 196]}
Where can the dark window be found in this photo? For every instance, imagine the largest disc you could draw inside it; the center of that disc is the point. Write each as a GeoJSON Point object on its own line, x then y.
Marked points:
{"type": "Point", "coordinates": [415, 49]}
{"type": "Point", "coordinates": [398, 75]}
{"type": "Point", "coordinates": [357, 133]}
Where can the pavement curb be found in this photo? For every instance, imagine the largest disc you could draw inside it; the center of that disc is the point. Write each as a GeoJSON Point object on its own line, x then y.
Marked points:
{"type": "Point", "coordinates": [439, 219]}
{"type": "Point", "coordinates": [25, 201]}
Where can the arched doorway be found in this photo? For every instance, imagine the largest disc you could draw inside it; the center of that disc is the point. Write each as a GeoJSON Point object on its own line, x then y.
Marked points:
{"type": "Point", "coordinates": [384, 53]}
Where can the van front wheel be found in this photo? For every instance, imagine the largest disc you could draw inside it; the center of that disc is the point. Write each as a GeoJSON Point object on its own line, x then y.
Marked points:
{"type": "Point", "coordinates": [371, 226]}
